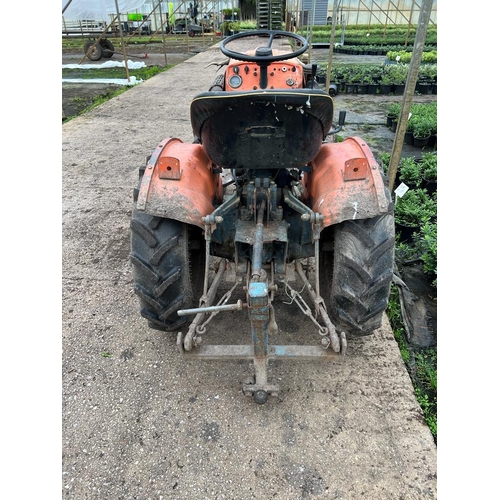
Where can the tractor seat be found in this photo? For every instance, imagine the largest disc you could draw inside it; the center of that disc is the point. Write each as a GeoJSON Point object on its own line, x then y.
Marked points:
{"type": "Point", "coordinates": [262, 129]}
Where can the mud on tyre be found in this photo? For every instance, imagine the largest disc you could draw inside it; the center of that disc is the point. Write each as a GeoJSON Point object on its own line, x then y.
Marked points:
{"type": "Point", "coordinates": [356, 273]}
{"type": "Point", "coordinates": [163, 252]}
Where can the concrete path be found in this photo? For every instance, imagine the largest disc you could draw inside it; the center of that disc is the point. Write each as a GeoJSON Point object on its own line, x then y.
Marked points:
{"type": "Point", "coordinates": [141, 423]}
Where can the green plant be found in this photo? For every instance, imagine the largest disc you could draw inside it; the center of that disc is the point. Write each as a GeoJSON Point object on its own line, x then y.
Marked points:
{"type": "Point", "coordinates": [394, 315]}
{"type": "Point", "coordinates": [426, 245]}
{"type": "Point", "coordinates": [230, 27]}
{"type": "Point", "coordinates": [429, 167]}
{"type": "Point", "coordinates": [394, 109]}
{"type": "Point", "coordinates": [404, 56]}
{"type": "Point", "coordinates": [410, 171]}
{"type": "Point", "coordinates": [230, 12]}
{"type": "Point", "coordinates": [383, 159]}
{"type": "Point", "coordinates": [421, 366]}
{"type": "Point", "coordinates": [385, 78]}
{"type": "Point", "coordinates": [415, 208]}
{"type": "Point", "coordinates": [248, 25]}
{"type": "Point", "coordinates": [427, 72]}
{"type": "Point", "coordinates": [422, 127]}
{"type": "Point", "coordinates": [429, 409]}
{"type": "Point", "coordinates": [398, 73]}
{"type": "Point", "coordinates": [405, 252]}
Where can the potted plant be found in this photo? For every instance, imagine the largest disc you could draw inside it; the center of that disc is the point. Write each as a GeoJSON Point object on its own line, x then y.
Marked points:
{"type": "Point", "coordinates": [231, 14]}
{"type": "Point", "coordinates": [422, 129]}
{"type": "Point", "coordinates": [385, 84]}
{"type": "Point", "coordinates": [426, 246]}
{"type": "Point", "coordinates": [408, 137]}
{"type": "Point", "coordinates": [229, 28]}
{"type": "Point", "coordinates": [410, 171]}
{"type": "Point", "coordinates": [412, 210]}
{"type": "Point", "coordinates": [429, 171]}
{"type": "Point", "coordinates": [393, 112]}
{"type": "Point", "coordinates": [373, 75]}
{"type": "Point", "coordinates": [398, 72]}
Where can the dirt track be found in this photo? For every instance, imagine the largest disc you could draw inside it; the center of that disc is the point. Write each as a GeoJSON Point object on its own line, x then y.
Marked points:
{"type": "Point", "coordinates": [139, 422]}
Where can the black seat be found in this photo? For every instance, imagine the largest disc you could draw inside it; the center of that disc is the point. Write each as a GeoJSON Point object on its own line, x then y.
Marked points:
{"type": "Point", "coordinates": [262, 129]}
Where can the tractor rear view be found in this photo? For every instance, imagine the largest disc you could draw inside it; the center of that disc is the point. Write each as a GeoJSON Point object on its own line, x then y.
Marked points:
{"type": "Point", "coordinates": [265, 203]}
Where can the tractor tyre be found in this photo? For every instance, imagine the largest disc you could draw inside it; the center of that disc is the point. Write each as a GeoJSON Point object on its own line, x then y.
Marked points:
{"type": "Point", "coordinates": [161, 260]}
{"type": "Point", "coordinates": [168, 262]}
{"type": "Point", "coordinates": [108, 48]}
{"type": "Point", "coordinates": [96, 53]}
{"type": "Point", "coordinates": [191, 33]}
{"type": "Point", "coordinates": [356, 279]}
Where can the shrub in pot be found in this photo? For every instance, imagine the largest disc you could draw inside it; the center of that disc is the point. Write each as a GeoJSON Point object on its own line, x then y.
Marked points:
{"type": "Point", "coordinates": [393, 112]}
{"type": "Point", "coordinates": [229, 28]}
{"type": "Point", "coordinates": [429, 167]}
{"type": "Point", "coordinates": [422, 128]}
{"type": "Point", "coordinates": [415, 208]}
{"type": "Point", "coordinates": [410, 171]}
{"type": "Point", "coordinates": [426, 246]}
{"type": "Point", "coordinates": [429, 171]}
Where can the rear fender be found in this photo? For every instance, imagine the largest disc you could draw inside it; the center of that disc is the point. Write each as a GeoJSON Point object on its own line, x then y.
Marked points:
{"type": "Point", "coordinates": [345, 183]}
{"type": "Point", "coordinates": [180, 183]}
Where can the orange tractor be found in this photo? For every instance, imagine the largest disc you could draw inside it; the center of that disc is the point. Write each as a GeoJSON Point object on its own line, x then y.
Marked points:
{"type": "Point", "coordinates": [263, 200]}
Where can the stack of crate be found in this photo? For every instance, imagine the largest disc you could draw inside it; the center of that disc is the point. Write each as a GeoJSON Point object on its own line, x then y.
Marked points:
{"type": "Point", "coordinates": [269, 15]}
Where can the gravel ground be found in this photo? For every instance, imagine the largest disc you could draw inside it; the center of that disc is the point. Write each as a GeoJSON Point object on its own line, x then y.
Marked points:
{"type": "Point", "coordinates": [138, 422]}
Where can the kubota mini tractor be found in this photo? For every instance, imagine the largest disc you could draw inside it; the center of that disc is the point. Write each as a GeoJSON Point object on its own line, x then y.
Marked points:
{"type": "Point", "coordinates": [263, 200]}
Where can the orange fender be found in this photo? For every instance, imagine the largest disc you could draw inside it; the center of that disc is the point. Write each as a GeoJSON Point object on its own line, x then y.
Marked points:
{"type": "Point", "coordinates": [345, 183]}
{"type": "Point", "coordinates": [180, 183]}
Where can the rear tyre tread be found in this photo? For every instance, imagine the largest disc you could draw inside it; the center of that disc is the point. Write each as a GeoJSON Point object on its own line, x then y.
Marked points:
{"type": "Point", "coordinates": [161, 263]}
{"type": "Point", "coordinates": [144, 232]}
{"type": "Point", "coordinates": [363, 261]}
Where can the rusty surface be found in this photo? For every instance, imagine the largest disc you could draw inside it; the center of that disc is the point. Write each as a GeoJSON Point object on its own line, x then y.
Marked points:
{"type": "Point", "coordinates": [179, 183]}
{"type": "Point", "coordinates": [345, 182]}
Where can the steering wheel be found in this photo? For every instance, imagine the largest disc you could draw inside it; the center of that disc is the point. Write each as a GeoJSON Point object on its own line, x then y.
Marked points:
{"type": "Point", "coordinates": [263, 55]}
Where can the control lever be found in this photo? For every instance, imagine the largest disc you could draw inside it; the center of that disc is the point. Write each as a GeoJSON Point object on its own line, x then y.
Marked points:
{"type": "Point", "coordinates": [340, 124]}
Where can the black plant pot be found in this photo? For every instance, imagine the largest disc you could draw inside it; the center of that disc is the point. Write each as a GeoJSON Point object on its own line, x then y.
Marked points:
{"type": "Point", "coordinates": [350, 88]}
{"type": "Point", "coordinates": [423, 88]}
{"type": "Point", "coordinates": [385, 89]}
{"type": "Point", "coordinates": [399, 89]}
{"type": "Point", "coordinates": [361, 88]}
{"type": "Point", "coordinates": [430, 186]}
{"type": "Point", "coordinates": [408, 138]}
{"type": "Point", "coordinates": [371, 88]}
{"type": "Point", "coordinates": [405, 232]}
{"type": "Point", "coordinates": [390, 119]}
{"type": "Point", "coordinates": [421, 142]}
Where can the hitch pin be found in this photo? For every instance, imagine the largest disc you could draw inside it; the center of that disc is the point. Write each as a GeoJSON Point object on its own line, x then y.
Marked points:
{"type": "Point", "coordinates": [229, 307]}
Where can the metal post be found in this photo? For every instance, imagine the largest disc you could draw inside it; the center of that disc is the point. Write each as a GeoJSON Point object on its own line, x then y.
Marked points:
{"type": "Point", "coordinates": [311, 25]}
{"type": "Point", "coordinates": [332, 43]}
{"type": "Point", "coordinates": [411, 80]}
{"type": "Point", "coordinates": [162, 33]}
{"type": "Point", "coordinates": [123, 42]}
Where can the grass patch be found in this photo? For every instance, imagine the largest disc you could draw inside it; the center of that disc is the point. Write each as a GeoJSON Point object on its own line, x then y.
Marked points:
{"type": "Point", "coordinates": [118, 72]}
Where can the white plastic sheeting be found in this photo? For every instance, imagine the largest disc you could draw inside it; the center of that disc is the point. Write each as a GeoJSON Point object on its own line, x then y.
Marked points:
{"type": "Point", "coordinates": [107, 64]}
{"type": "Point", "coordinates": [98, 10]}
